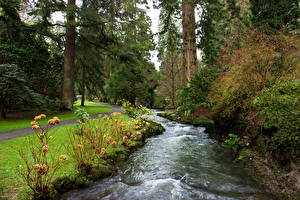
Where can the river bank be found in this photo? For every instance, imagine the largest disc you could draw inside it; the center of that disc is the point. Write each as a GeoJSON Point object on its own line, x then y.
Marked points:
{"type": "Point", "coordinates": [182, 163]}
{"type": "Point", "coordinates": [108, 168]}
{"type": "Point", "coordinates": [282, 180]}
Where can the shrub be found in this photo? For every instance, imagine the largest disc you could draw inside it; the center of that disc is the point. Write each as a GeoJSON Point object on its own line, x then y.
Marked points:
{"type": "Point", "coordinates": [83, 116]}
{"type": "Point", "coordinates": [43, 161]}
{"type": "Point", "coordinates": [14, 90]}
{"type": "Point", "coordinates": [262, 61]}
{"type": "Point", "coordinates": [191, 97]}
{"type": "Point", "coordinates": [232, 142]}
{"type": "Point", "coordinates": [280, 107]}
{"type": "Point", "coordinates": [135, 112]}
{"type": "Point", "coordinates": [89, 149]}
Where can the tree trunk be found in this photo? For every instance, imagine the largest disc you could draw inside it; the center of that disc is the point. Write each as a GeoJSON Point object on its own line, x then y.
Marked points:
{"type": "Point", "coordinates": [69, 64]}
{"type": "Point", "coordinates": [83, 94]}
{"type": "Point", "coordinates": [3, 113]}
{"type": "Point", "coordinates": [189, 41]}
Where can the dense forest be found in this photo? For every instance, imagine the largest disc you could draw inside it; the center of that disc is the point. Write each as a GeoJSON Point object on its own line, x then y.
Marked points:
{"type": "Point", "coordinates": [246, 77]}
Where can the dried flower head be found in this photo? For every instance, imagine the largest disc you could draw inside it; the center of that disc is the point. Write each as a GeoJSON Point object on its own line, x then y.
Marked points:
{"type": "Point", "coordinates": [123, 124]}
{"type": "Point", "coordinates": [36, 166]}
{"type": "Point", "coordinates": [41, 136]}
{"type": "Point", "coordinates": [103, 151]}
{"type": "Point", "coordinates": [114, 144]}
{"type": "Point", "coordinates": [97, 128]}
{"type": "Point", "coordinates": [105, 123]}
{"type": "Point", "coordinates": [63, 157]}
{"type": "Point", "coordinates": [43, 116]}
{"type": "Point", "coordinates": [51, 122]}
{"type": "Point", "coordinates": [105, 117]}
{"type": "Point", "coordinates": [108, 140]}
{"type": "Point", "coordinates": [100, 115]}
{"type": "Point", "coordinates": [125, 138]}
{"type": "Point", "coordinates": [80, 146]}
{"type": "Point", "coordinates": [35, 127]}
{"type": "Point", "coordinates": [56, 119]}
{"type": "Point", "coordinates": [41, 169]}
{"type": "Point", "coordinates": [36, 118]}
{"type": "Point", "coordinates": [33, 123]}
{"type": "Point", "coordinates": [45, 148]}
{"type": "Point", "coordinates": [138, 133]}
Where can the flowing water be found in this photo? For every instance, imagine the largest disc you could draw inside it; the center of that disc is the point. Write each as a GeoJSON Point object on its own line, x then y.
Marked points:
{"type": "Point", "coordinates": [182, 163]}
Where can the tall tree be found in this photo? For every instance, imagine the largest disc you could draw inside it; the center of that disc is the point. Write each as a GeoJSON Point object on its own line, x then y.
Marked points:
{"type": "Point", "coordinates": [69, 64]}
{"type": "Point", "coordinates": [189, 40]}
{"type": "Point", "coordinates": [276, 14]}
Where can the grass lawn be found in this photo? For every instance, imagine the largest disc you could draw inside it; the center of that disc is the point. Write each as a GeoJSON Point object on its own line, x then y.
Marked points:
{"type": "Point", "coordinates": [14, 124]}
{"type": "Point", "coordinates": [10, 183]}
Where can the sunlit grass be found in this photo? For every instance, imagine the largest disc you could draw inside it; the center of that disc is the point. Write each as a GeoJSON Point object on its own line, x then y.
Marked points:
{"type": "Point", "coordinates": [14, 124]}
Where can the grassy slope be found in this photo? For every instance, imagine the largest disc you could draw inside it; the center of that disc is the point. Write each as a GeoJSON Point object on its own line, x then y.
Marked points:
{"type": "Point", "coordinates": [14, 124]}
{"type": "Point", "coordinates": [10, 160]}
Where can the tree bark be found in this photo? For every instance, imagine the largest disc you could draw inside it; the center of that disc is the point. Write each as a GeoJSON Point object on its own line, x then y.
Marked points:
{"type": "Point", "coordinates": [69, 64]}
{"type": "Point", "coordinates": [83, 92]}
{"type": "Point", "coordinates": [3, 112]}
{"type": "Point", "coordinates": [189, 41]}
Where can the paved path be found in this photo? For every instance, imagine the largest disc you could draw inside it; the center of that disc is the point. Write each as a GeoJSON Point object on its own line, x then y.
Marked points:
{"type": "Point", "coordinates": [26, 131]}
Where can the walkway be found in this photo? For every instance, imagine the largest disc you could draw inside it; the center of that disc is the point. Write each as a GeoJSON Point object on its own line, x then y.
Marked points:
{"type": "Point", "coordinates": [27, 131]}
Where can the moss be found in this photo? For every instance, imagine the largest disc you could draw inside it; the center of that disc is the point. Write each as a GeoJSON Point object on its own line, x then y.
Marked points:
{"type": "Point", "coordinates": [116, 154]}
{"type": "Point", "coordinates": [100, 171]}
{"type": "Point", "coordinates": [67, 183]}
{"type": "Point", "coordinates": [64, 184]}
{"type": "Point", "coordinates": [152, 129]}
{"type": "Point", "coordinates": [204, 122]}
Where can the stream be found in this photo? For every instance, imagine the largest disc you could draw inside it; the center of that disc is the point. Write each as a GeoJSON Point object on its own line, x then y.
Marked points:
{"type": "Point", "coordinates": [182, 163]}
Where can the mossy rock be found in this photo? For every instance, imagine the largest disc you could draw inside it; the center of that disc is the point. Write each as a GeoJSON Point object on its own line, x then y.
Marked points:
{"type": "Point", "coordinates": [82, 182]}
{"type": "Point", "coordinates": [204, 122]}
{"type": "Point", "coordinates": [163, 114]}
{"type": "Point", "coordinates": [64, 184]}
{"type": "Point", "coordinates": [67, 183]}
{"type": "Point", "coordinates": [100, 171]}
{"type": "Point", "coordinates": [135, 145]}
{"type": "Point", "coordinates": [152, 128]}
{"type": "Point", "coordinates": [116, 154]}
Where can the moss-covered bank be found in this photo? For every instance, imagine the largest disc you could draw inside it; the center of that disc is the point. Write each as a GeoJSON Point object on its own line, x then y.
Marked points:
{"type": "Point", "coordinates": [196, 121]}
{"type": "Point", "coordinates": [107, 168]}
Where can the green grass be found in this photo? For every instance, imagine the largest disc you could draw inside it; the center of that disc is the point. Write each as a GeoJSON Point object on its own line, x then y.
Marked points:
{"type": "Point", "coordinates": [14, 124]}
{"type": "Point", "coordinates": [13, 186]}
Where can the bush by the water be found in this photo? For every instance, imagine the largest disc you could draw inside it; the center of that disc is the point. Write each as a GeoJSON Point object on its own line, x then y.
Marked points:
{"type": "Point", "coordinates": [280, 107]}
{"type": "Point", "coordinates": [262, 61]}
{"type": "Point", "coordinates": [194, 96]}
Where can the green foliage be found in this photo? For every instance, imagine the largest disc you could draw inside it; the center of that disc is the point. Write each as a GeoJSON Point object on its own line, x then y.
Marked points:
{"type": "Point", "coordinates": [135, 111]}
{"type": "Point", "coordinates": [258, 64]}
{"type": "Point", "coordinates": [14, 90]}
{"type": "Point", "coordinates": [195, 94]}
{"type": "Point", "coordinates": [231, 142]}
{"type": "Point", "coordinates": [275, 14]}
{"type": "Point", "coordinates": [221, 21]}
{"type": "Point", "coordinates": [82, 114]}
{"type": "Point", "coordinates": [136, 84]}
{"type": "Point", "coordinates": [280, 107]}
